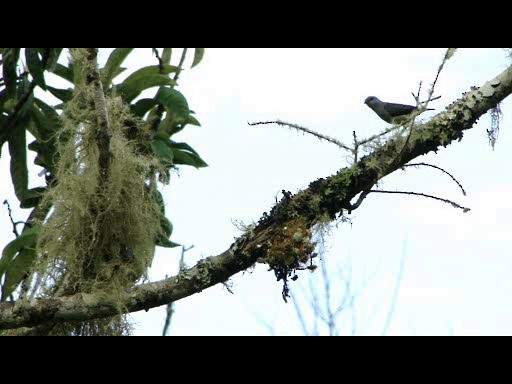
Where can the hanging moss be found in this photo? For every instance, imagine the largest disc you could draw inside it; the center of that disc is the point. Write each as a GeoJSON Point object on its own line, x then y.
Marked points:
{"type": "Point", "coordinates": [100, 236]}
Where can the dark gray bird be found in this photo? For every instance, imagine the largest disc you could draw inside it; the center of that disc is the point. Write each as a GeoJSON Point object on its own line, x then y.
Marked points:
{"type": "Point", "coordinates": [390, 112]}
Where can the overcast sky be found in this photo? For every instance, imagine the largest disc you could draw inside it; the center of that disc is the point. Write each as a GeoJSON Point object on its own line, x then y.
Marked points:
{"type": "Point", "coordinates": [456, 271]}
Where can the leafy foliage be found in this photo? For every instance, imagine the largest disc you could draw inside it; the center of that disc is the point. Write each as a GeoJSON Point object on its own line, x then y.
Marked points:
{"type": "Point", "coordinates": [23, 116]}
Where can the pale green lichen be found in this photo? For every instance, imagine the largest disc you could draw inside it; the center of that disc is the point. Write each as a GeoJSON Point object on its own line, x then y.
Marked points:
{"type": "Point", "coordinates": [100, 236]}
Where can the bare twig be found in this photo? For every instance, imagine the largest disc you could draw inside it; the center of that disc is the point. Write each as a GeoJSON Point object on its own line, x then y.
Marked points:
{"type": "Point", "coordinates": [417, 96]}
{"type": "Point", "coordinates": [383, 133]}
{"type": "Point", "coordinates": [14, 230]}
{"type": "Point", "coordinates": [453, 204]}
{"type": "Point", "coordinates": [306, 130]}
{"type": "Point", "coordinates": [447, 55]}
{"type": "Point", "coordinates": [356, 146]}
{"type": "Point", "coordinates": [228, 285]}
{"type": "Point", "coordinates": [423, 106]}
{"type": "Point", "coordinates": [180, 65]}
{"type": "Point", "coordinates": [300, 316]}
{"type": "Point", "coordinates": [331, 319]}
{"type": "Point", "coordinates": [160, 61]}
{"type": "Point", "coordinates": [360, 199]}
{"type": "Point", "coordinates": [439, 168]}
{"type": "Point", "coordinates": [170, 306]}
{"type": "Point", "coordinates": [398, 284]}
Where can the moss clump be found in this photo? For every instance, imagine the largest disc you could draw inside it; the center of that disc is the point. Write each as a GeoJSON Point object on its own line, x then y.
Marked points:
{"type": "Point", "coordinates": [116, 326]}
{"type": "Point", "coordinates": [290, 246]}
{"type": "Point", "coordinates": [101, 234]}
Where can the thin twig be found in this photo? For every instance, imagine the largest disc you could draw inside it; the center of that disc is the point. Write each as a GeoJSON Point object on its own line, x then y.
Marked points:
{"type": "Point", "coordinates": [417, 96]}
{"type": "Point", "coordinates": [453, 204]}
{"type": "Point", "coordinates": [447, 55]}
{"type": "Point", "coordinates": [360, 199]}
{"type": "Point", "coordinates": [14, 230]}
{"type": "Point", "coordinates": [396, 291]}
{"type": "Point", "coordinates": [356, 146]}
{"type": "Point", "coordinates": [170, 306]}
{"type": "Point", "coordinates": [424, 105]}
{"type": "Point", "coordinates": [160, 61]}
{"type": "Point", "coordinates": [431, 99]}
{"type": "Point", "coordinates": [313, 302]}
{"type": "Point", "coordinates": [180, 65]}
{"type": "Point", "coordinates": [228, 285]}
{"type": "Point", "coordinates": [385, 132]}
{"type": "Point", "coordinates": [439, 168]}
{"type": "Point", "coordinates": [300, 316]}
{"type": "Point", "coordinates": [331, 320]}
{"type": "Point", "coordinates": [307, 130]}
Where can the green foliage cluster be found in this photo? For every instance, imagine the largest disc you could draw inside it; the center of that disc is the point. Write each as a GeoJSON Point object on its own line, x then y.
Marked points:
{"type": "Point", "coordinates": [70, 214]}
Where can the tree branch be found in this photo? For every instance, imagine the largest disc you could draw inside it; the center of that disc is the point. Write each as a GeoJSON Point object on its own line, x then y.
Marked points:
{"type": "Point", "coordinates": [325, 197]}
{"type": "Point", "coordinates": [306, 130]}
{"type": "Point", "coordinates": [100, 106]}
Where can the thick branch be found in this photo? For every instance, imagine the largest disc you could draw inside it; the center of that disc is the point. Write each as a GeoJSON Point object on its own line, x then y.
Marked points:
{"type": "Point", "coordinates": [323, 197]}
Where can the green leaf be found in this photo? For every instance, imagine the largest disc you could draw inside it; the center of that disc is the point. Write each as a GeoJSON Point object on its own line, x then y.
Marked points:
{"type": "Point", "coordinates": [182, 146]}
{"type": "Point", "coordinates": [166, 55]}
{"type": "Point", "coordinates": [162, 150]}
{"type": "Point", "coordinates": [46, 122]}
{"type": "Point", "coordinates": [143, 79]}
{"type": "Point", "coordinates": [17, 258]}
{"type": "Point", "coordinates": [119, 71]}
{"type": "Point", "coordinates": [198, 56]}
{"type": "Point", "coordinates": [111, 69]}
{"type": "Point", "coordinates": [35, 66]}
{"type": "Point", "coordinates": [174, 102]}
{"type": "Point", "coordinates": [192, 121]}
{"type": "Point", "coordinates": [163, 242]}
{"type": "Point", "coordinates": [65, 72]}
{"type": "Point", "coordinates": [184, 154]}
{"type": "Point", "coordinates": [40, 125]}
{"type": "Point", "coordinates": [9, 64]}
{"type": "Point", "coordinates": [4, 96]}
{"type": "Point", "coordinates": [53, 58]}
{"type": "Point", "coordinates": [19, 171]}
{"type": "Point", "coordinates": [150, 70]}
{"type": "Point", "coordinates": [186, 158]}
{"type": "Point", "coordinates": [52, 116]}
{"type": "Point", "coordinates": [162, 238]}
{"type": "Point", "coordinates": [32, 197]}
{"type": "Point", "coordinates": [62, 94]}
{"type": "Point", "coordinates": [141, 107]}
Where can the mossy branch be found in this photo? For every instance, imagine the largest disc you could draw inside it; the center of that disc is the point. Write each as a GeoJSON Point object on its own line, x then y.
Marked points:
{"type": "Point", "coordinates": [100, 106]}
{"type": "Point", "coordinates": [324, 199]}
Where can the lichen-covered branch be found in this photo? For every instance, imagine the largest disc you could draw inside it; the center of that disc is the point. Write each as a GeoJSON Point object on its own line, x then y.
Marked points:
{"type": "Point", "coordinates": [103, 134]}
{"type": "Point", "coordinates": [322, 201]}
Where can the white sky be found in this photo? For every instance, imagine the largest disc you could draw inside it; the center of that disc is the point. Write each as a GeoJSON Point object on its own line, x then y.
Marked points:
{"type": "Point", "coordinates": [456, 273]}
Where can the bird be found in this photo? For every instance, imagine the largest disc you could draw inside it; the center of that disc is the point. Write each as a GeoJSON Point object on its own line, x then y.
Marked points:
{"type": "Point", "coordinates": [390, 112]}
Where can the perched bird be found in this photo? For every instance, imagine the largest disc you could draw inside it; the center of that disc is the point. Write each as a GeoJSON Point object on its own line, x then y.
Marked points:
{"type": "Point", "coordinates": [390, 112]}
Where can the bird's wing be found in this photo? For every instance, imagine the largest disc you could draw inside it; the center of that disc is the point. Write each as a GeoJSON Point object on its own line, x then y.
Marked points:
{"type": "Point", "coordinates": [398, 109]}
